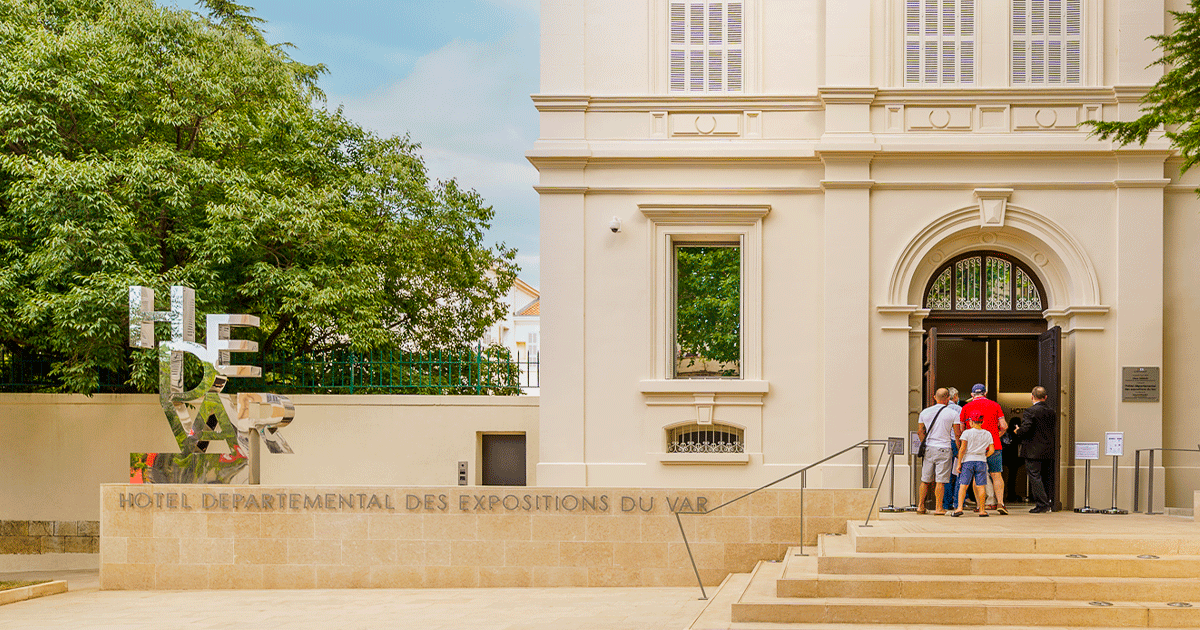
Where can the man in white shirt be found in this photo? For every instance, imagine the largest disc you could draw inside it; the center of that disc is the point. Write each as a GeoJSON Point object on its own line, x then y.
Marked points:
{"type": "Point", "coordinates": [938, 427]}
{"type": "Point", "coordinates": [951, 488]}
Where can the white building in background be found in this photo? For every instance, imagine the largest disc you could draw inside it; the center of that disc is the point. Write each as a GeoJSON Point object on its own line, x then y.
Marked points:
{"type": "Point", "coordinates": [519, 331]}
{"type": "Point", "coordinates": [913, 203]}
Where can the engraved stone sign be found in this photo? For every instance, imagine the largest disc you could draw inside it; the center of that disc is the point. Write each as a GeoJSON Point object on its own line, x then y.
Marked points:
{"type": "Point", "coordinates": [1139, 384]}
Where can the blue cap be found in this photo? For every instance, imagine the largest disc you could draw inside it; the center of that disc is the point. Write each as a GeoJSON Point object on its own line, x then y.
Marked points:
{"type": "Point", "coordinates": [979, 388]}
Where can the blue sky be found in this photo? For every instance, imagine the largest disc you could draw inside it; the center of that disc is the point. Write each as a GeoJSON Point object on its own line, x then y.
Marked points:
{"type": "Point", "coordinates": [454, 74]}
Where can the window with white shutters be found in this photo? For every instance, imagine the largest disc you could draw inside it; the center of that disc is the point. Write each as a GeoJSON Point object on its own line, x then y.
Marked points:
{"type": "Point", "coordinates": [706, 47]}
{"type": "Point", "coordinates": [939, 42]}
{"type": "Point", "coordinates": [1047, 42]}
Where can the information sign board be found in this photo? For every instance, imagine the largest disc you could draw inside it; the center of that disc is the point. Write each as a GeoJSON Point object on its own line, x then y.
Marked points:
{"type": "Point", "coordinates": [1114, 443]}
{"type": "Point", "coordinates": [1087, 450]}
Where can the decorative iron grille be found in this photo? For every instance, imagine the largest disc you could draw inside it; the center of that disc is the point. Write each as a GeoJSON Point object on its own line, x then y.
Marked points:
{"type": "Point", "coordinates": [711, 438]}
{"type": "Point", "coordinates": [987, 282]}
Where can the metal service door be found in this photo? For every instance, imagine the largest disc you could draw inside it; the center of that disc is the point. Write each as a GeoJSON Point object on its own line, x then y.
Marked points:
{"type": "Point", "coordinates": [503, 460]}
{"type": "Point", "coordinates": [1050, 377]}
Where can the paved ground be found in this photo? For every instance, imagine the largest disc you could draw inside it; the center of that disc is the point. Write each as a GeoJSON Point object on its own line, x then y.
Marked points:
{"type": "Point", "coordinates": [85, 607]}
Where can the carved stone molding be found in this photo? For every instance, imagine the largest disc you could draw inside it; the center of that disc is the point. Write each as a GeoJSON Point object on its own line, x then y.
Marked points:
{"type": "Point", "coordinates": [993, 203]}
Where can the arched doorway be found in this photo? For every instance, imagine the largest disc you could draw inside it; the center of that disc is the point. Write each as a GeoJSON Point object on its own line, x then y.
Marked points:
{"type": "Point", "coordinates": [986, 325]}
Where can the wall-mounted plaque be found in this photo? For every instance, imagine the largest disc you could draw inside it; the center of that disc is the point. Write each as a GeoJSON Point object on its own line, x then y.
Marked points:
{"type": "Point", "coordinates": [1087, 450]}
{"type": "Point", "coordinates": [1139, 384]}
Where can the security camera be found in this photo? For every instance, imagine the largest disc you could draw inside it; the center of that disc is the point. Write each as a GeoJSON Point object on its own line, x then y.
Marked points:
{"type": "Point", "coordinates": [614, 225]}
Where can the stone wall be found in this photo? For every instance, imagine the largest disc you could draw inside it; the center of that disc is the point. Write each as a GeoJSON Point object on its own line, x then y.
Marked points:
{"type": "Point", "coordinates": [38, 537]}
{"type": "Point", "coordinates": [252, 537]}
{"type": "Point", "coordinates": [58, 449]}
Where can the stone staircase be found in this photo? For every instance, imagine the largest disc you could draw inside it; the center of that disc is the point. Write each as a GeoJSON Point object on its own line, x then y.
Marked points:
{"type": "Point", "coordinates": [1003, 572]}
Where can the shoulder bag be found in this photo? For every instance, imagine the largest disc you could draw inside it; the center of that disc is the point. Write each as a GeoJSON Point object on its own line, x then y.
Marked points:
{"type": "Point", "coordinates": [921, 450]}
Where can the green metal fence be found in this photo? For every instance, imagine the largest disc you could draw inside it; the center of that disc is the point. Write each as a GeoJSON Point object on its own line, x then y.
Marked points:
{"type": "Point", "coordinates": [491, 370]}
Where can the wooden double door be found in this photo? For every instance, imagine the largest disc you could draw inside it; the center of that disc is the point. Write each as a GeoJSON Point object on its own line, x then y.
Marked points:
{"type": "Point", "coordinates": [1009, 357]}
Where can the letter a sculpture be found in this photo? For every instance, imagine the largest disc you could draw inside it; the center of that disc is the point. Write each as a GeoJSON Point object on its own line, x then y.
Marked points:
{"type": "Point", "coordinates": [200, 417]}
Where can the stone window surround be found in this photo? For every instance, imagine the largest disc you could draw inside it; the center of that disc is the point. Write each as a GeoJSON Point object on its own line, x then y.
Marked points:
{"type": "Point", "coordinates": [677, 222]}
{"type": "Point", "coordinates": [671, 224]}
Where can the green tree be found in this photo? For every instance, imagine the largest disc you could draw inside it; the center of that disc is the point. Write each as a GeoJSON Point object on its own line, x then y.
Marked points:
{"type": "Point", "coordinates": [708, 305]}
{"type": "Point", "coordinates": [147, 145]}
{"type": "Point", "coordinates": [1174, 101]}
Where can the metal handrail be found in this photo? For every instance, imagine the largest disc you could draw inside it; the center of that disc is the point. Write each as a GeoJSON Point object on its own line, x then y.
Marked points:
{"type": "Point", "coordinates": [1137, 471]}
{"type": "Point", "coordinates": [803, 472]}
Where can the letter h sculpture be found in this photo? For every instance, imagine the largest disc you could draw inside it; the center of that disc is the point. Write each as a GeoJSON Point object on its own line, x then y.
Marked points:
{"type": "Point", "coordinates": [215, 445]}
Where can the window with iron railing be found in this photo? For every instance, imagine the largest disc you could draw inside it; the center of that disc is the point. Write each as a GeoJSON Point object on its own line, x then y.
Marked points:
{"type": "Point", "coordinates": [705, 438]}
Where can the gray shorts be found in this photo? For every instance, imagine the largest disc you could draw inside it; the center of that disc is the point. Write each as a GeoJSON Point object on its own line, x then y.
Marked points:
{"type": "Point", "coordinates": [936, 465]}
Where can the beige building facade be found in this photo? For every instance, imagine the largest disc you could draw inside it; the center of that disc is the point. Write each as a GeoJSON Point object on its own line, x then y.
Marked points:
{"type": "Point", "coordinates": [913, 202]}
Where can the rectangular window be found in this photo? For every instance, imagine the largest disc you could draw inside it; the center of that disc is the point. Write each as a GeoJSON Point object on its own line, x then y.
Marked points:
{"type": "Point", "coordinates": [708, 310]}
{"type": "Point", "coordinates": [706, 50]}
{"type": "Point", "coordinates": [1047, 42]}
{"type": "Point", "coordinates": [939, 42]}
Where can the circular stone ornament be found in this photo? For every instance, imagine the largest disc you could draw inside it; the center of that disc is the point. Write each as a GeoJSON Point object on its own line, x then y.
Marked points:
{"type": "Point", "coordinates": [1076, 555]}
{"type": "Point", "coordinates": [706, 123]}
{"type": "Point", "coordinates": [1148, 557]}
{"type": "Point", "coordinates": [1046, 117]}
{"type": "Point", "coordinates": [1100, 603]}
{"type": "Point", "coordinates": [1179, 604]}
{"type": "Point", "coordinates": [939, 118]}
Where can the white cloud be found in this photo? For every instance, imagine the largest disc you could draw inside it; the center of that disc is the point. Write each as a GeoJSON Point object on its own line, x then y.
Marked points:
{"type": "Point", "coordinates": [468, 105]}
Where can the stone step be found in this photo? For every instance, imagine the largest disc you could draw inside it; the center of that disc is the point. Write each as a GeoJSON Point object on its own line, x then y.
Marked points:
{"type": "Point", "coordinates": [771, 625]}
{"type": "Point", "coordinates": [1010, 564]}
{"type": "Point", "coordinates": [989, 587]}
{"type": "Point", "coordinates": [962, 613]}
{"type": "Point", "coordinates": [837, 556]}
{"type": "Point", "coordinates": [720, 601]}
{"type": "Point", "coordinates": [872, 540]}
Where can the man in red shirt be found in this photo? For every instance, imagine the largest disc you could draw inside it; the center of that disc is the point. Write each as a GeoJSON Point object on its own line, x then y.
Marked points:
{"type": "Point", "coordinates": [992, 417]}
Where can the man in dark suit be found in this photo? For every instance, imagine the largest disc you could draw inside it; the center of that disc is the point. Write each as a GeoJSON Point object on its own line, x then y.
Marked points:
{"type": "Point", "coordinates": [1037, 446]}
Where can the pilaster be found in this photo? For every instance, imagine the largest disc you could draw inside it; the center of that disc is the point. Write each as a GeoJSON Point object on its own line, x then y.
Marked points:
{"type": "Point", "coordinates": [1139, 301]}
{"type": "Point", "coordinates": [562, 414]}
{"type": "Point", "coordinates": [846, 316]}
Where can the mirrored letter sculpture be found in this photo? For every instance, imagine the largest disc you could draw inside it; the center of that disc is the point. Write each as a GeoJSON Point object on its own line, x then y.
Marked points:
{"type": "Point", "coordinates": [214, 438]}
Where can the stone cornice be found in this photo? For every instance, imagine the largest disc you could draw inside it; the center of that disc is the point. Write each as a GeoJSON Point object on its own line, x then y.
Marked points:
{"type": "Point", "coordinates": [847, 95]}
{"type": "Point", "coordinates": [836, 95]}
{"type": "Point", "coordinates": [1141, 183]}
{"type": "Point", "coordinates": [701, 214]}
{"type": "Point", "coordinates": [1131, 93]}
{"type": "Point", "coordinates": [847, 184]}
{"type": "Point", "coordinates": [1014, 96]}
{"type": "Point", "coordinates": [560, 102]}
{"type": "Point", "coordinates": [681, 102]}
